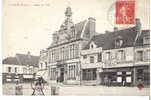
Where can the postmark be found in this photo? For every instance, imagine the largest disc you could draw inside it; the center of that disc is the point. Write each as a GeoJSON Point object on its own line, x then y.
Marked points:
{"type": "Point", "coordinates": [125, 11]}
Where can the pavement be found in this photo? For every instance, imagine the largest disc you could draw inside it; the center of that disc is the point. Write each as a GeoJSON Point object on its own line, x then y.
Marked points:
{"type": "Point", "coordinates": [76, 90]}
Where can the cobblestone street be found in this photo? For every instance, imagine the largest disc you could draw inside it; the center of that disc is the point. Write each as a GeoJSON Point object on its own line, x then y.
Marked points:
{"type": "Point", "coordinates": [75, 90]}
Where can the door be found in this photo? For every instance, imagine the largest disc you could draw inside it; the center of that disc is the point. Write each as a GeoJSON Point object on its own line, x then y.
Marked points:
{"type": "Point", "coordinates": [123, 78]}
{"type": "Point", "coordinates": [61, 74]}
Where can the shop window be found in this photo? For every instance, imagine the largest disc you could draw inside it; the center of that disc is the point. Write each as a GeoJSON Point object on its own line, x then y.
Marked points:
{"type": "Point", "coordinates": [8, 80]}
{"type": "Point", "coordinates": [8, 76]}
{"type": "Point", "coordinates": [139, 55]}
{"type": "Point", "coordinates": [129, 79]}
{"type": "Point", "coordinates": [72, 72]}
{"type": "Point", "coordinates": [91, 59]}
{"type": "Point", "coordinates": [53, 74]}
{"type": "Point", "coordinates": [119, 79]}
{"type": "Point", "coordinates": [89, 74]}
{"type": "Point", "coordinates": [140, 74]}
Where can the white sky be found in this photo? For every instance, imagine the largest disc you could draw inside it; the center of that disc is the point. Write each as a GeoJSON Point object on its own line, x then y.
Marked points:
{"type": "Point", "coordinates": [29, 28]}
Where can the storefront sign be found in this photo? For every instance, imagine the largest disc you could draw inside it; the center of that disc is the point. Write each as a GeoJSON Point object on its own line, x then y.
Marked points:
{"type": "Point", "coordinates": [119, 79]}
{"type": "Point", "coordinates": [119, 73]}
{"type": "Point", "coordinates": [128, 73]}
{"type": "Point", "coordinates": [128, 79]}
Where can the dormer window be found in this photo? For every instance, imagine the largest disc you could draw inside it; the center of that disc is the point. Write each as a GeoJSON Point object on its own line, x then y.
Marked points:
{"type": "Point", "coordinates": [91, 45]}
{"type": "Point", "coordinates": [118, 42]}
{"type": "Point", "coordinates": [146, 40]}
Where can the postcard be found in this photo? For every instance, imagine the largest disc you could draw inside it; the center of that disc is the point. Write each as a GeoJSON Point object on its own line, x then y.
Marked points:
{"type": "Point", "coordinates": [76, 47]}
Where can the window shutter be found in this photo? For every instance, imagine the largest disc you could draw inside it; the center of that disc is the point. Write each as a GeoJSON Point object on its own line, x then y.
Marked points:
{"type": "Point", "coordinates": [77, 50]}
{"type": "Point", "coordinates": [144, 55]}
{"type": "Point", "coordinates": [124, 55]}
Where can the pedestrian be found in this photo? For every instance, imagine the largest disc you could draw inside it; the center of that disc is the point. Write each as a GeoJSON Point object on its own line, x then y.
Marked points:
{"type": "Point", "coordinates": [18, 89]}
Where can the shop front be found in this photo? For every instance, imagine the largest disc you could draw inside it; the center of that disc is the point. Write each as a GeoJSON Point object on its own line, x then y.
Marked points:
{"type": "Point", "coordinates": [61, 73]}
{"type": "Point", "coordinates": [117, 77]}
{"type": "Point", "coordinates": [89, 76]}
{"type": "Point", "coordinates": [142, 75]}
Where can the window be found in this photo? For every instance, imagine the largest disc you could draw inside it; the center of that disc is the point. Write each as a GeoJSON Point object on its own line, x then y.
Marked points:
{"type": "Point", "coordinates": [140, 74]}
{"type": "Point", "coordinates": [146, 40]}
{"type": "Point", "coordinates": [108, 56]}
{"type": "Point", "coordinates": [89, 74]}
{"type": "Point", "coordinates": [147, 55]}
{"type": "Point", "coordinates": [84, 56]}
{"type": "Point", "coordinates": [121, 55]}
{"type": "Point", "coordinates": [72, 72]}
{"type": "Point", "coordinates": [77, 50]}
{"type": "Point", "coordinates": [25, 70]}
{"type": "Point", "coordinates": [91, 45]}
{"type": "Point", "coordinates": [49, 56]}
{"type": "Point", "coordinates": [46, 64]}
{"type": "Point", "coordinates": [91, 59]}
{"type": "Point", "coordinates": [71, 51]}
{"type": "Point", "coordinates": [99, 57]}
{"type": "Point", "coordinates": [41, 65]}
{"type": "Point", "coordinates": [9, 69]}
{"type": "Point", "coordinates": [53, 74]}
{"type": "Point", "coordinates": [30, 70]}
{"type": "Point", "coordinates": [139, 55]}
{"type": "Point", "coordinates": [15, 69]}
{"type": "Point", "coordinates": [118, 42]}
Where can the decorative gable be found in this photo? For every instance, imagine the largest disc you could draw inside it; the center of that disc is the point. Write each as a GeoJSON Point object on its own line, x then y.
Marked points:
{"type": "Point", "coordinates": [92, 45]}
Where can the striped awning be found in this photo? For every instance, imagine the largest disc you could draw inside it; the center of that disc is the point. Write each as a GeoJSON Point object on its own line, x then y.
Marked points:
{"type": "Point", "coordinates": [28, 76]}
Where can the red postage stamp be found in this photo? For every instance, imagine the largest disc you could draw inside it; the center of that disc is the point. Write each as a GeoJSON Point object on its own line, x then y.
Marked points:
{"type": "Point", "coordinates": [125, 11]}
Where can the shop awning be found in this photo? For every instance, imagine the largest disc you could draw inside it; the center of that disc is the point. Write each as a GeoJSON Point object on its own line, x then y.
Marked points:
{"type": "Point", "coordinates": [28, 76]}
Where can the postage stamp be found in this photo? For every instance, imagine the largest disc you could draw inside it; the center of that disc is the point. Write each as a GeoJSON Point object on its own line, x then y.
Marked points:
{"type": "Point", "coordinates": [125, 11]}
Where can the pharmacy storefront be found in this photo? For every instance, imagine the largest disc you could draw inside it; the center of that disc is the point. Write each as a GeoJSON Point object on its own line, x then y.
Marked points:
{"type": "Point", "coordinates": [117, 76]}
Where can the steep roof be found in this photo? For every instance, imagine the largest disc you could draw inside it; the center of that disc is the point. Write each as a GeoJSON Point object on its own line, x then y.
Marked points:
{"type": "Point", "coordinates": [107, 40]}
{"type": "Point", "coordinates": [22, 59]}
{"type": "Point", "coordinates": [11, 61]}
{"type": "Point", "coordinates": [79, 27]}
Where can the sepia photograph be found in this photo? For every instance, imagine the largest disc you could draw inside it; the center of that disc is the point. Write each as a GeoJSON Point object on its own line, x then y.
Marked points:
{"type": "Point", "coordinates": [76, 47]}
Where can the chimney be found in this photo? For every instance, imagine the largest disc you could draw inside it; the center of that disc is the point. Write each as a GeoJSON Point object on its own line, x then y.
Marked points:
{"type": "Point", "coordinates": [115, 29]}
{"type": "Point", "coordinates": [28, 54]}
{"type": "Point", "coordinates": [107, 31]}
{"type": "Point", "coordinates": [138, 26]}
{"type": "Point", "coordinates": [92, 26]}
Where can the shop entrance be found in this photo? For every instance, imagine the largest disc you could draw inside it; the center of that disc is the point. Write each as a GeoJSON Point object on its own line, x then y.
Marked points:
{"type": "Point", "coordinates": [61, 74]}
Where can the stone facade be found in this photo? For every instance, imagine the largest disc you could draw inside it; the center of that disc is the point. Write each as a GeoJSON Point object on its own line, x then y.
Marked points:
{"type": "Point", "coordinates": [79, 55]}
{"type": "Point", "coordinates": [64, 52]}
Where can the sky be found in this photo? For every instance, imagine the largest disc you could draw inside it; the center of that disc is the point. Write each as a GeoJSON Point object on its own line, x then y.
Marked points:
{"type": "Point", "coordinates": [28, 24]}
